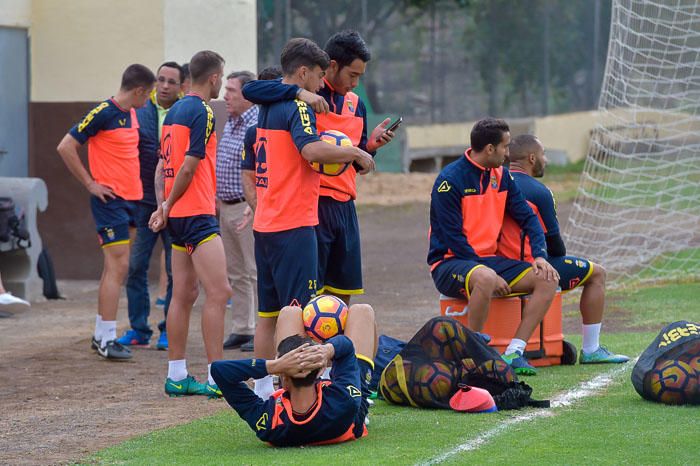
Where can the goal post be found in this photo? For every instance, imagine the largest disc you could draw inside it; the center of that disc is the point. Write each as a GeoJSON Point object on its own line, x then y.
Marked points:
{"type": "Point", "coordinates": [637, 210]}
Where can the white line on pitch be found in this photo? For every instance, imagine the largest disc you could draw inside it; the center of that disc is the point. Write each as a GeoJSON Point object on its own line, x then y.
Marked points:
{"type": "Point", "coordinates": [585, 389]}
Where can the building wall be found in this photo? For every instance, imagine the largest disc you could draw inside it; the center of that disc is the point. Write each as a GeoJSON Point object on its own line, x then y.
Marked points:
{"type": "Point", "coordinates": [16, 13]}
{"type": "Point", "coordinates": [79, 49]}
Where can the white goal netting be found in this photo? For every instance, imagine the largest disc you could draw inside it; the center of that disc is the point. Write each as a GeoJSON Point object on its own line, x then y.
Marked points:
{"type": "Point", "coordinates": [637, 210]}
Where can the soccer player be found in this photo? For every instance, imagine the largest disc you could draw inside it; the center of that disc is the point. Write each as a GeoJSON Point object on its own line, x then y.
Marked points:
{"type": "Point", "coordinates": [338, 233]}
{"type": "Point", "coordinates": [111, 131]}
{"type": "Point", "coordinates": [527, 162]}
{"type": "Point", "coordinates": [188, 149]}
{"type": "Point", "coordinates": [287, 191]}
{"type": "Point", "coordinates": [306, 410]}
{"type": "Point", "coordinates": [468, 201]}
{"type": "Point", "coordinates": [151, 117]}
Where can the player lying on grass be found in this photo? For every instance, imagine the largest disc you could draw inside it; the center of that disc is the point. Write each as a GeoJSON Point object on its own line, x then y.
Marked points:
{"type": "Point", "coordinates": [527, 162]}
{"type": "Point", "coordinates": [469, 199]}
{"type": "Point", "coordinates": [306, 410]}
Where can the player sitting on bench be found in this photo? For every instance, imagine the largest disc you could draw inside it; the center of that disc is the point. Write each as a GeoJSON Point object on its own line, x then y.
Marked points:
{"type": "Point", "coordinates": [527, 162]}
{"type": "Point", "coordinates": [306, 411]}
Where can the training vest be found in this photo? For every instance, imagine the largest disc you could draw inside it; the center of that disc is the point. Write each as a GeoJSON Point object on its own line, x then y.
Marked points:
{"type": "Point", "coordinates": [287, 189]}
{"type": "Point", "coordinates": [342, 188]}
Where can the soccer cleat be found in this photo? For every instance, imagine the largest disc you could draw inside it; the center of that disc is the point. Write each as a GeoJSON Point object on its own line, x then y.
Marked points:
{"type": "Point", "coordinates": [518, 362]}
{"type": "Point", "coordinates": [162, 341]}
{"type": "Point", "coordinates": [132, 338]}
{"type": "Point", "coordinates": [602, 356]}
{"type": "Point", "coordinates": [115, 351]}
{"type": "Point", "coordinates": [185, 387]}
{"type": "Point", "coordinates": [95, 343]}
{"type": "Point", "coordinates": [213, 390]}
{"type": "Point", "coordinates": [160, 302]}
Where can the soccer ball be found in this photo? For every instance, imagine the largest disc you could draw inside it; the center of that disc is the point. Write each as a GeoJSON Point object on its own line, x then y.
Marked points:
{"type": "Point", "coordinates": [497, 369]}
{"type": "Point", "coordinates": [673, 382]}
{"type": "Point", "coordinates": [389, 384]}
{"type": "Point", "coordinates": [433, 382]}
{"type": "Point", "coordinates": [338, 139]}
{"type": "Point", "coordinates": [324, 317]}
{"type": "Point", "coordinates": [445, 340]}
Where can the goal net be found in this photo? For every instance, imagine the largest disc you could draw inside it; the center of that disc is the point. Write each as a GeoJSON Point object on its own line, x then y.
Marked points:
{"type": "Point", "coordinates": [637, 210]}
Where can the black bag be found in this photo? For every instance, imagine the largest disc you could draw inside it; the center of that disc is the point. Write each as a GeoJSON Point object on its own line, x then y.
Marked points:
{"type": "Point", "coordinates": [440, 357]}
{"type": "Point", "coordinates": [668, 371]}
{"type": "Point", "coordinates": [388, 347]}
{"type": "Point", "coordinates": [12, 224]}
{"type": "Point", "coordinates": [46, 273]}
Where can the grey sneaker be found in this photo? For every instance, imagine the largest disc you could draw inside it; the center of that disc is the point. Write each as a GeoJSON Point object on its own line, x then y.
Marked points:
{"type": "Point", "coordinates": [115, 351]}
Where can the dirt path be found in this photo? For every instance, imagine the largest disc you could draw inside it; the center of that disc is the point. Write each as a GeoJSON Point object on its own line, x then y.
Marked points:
{"type": "Point", "coordinates": [60, 401]}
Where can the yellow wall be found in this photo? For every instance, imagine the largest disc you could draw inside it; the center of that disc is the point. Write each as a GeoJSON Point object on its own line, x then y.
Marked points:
{"type": "Point", "coordinates": [569, 133]}
{"type": "Point", "coordinates": [15, 13]}
{"type": "Point", "coordinates": [79, 48]}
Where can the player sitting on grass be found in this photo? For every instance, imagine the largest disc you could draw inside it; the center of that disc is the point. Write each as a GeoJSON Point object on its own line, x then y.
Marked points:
{"type": "Point", "coordinates": [306, 410]}
{"type": "Point", "coordinates": [469, 199]}
{"type": "Point", "coordinates": [527, 162]}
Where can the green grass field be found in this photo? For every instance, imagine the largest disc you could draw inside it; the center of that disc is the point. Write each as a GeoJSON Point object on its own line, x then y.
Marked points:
{"type": "Point", "coordinates": [614, 426]}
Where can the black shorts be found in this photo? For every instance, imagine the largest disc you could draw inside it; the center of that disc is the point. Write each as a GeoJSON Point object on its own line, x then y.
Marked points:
{"type": "Point", "coordinates": [189, 232]}
{"type": "Point", "coordinates": [573, 271]}
{"type": "Point", "coordinates": [112, 220]}
{"type": "Point", "coordinates": [339, 254]}
{"type": "Point", "coordinates": [287, 264]}
{"type": "Point", "coordinates": [451, 277]}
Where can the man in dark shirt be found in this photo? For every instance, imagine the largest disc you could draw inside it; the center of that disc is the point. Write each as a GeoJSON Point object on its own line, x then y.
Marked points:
{"type": "Point", "coordinates": [469, 199]}
{"type": "Point", "coordinates": [527, 162]}
{"type": "Point", "coordinates": [307, 411]}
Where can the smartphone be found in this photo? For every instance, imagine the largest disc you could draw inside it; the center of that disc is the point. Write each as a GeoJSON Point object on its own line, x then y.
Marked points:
{"type": "Point", "coordinates": [394, 125]}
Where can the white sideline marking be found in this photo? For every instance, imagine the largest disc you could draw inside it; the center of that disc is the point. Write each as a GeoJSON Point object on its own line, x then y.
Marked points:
{"type": "Point", "coordinates": [585, 389]}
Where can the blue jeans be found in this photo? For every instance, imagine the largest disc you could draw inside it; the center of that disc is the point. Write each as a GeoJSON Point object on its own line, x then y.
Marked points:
{"type": "Point", "coordinates": [137, 281]}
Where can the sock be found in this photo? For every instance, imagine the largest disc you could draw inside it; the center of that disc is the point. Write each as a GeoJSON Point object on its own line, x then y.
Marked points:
{"type": "Point", "coordinates": [591, 337]}
{"type": "Point", "coordinates": [366, 367]}
{"type": "Point", "coordinates": [211, 381]}
{"type": "Point", "coordinates": [264, 387]}
{"type": "Point", "coordinates": [98, 328]}
{"type": "Point", "coordinates": [177, 370]}
{"type": "Point", "coordinates": [516, 345]}
{"type": "Point", "coordinates": [109, 331]}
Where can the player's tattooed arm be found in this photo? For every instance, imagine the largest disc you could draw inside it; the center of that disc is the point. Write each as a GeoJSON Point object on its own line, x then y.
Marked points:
{"type": "Point", "coordinates": [159, 182]}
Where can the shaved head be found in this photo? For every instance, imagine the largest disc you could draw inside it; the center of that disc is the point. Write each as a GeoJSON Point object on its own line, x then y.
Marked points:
{"type": "Point", "coordinates": [522, 146]}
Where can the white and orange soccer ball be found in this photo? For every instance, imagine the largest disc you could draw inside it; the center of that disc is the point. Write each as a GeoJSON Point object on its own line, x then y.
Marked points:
{"type": "Point", "coordinates": [338, 139]}
{"type": "Point", "coordinates": [324, 317]}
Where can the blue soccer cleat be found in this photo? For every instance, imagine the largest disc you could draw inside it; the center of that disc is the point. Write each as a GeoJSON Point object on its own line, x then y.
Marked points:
{"type": "Point", "coordinates": [602, 356]}
{"type": "Point", "coordinates": [520, 365]}
{"type": "Point", "coordinates": [162, 341]}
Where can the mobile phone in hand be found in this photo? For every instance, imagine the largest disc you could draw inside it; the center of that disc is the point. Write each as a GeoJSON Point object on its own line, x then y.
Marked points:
{"type": "Point", "coordinates": [393, 127]}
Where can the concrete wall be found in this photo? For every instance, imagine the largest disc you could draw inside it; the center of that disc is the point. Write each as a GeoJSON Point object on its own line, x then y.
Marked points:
{"type": "Point", "coordinates": [79, 49]}
{"type": "Point", "coordinates": [568, 133]}
{"type": "Point", "coordinates": [15, 13]}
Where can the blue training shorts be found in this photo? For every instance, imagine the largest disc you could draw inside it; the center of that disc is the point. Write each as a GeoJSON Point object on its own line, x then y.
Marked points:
{"type": "Point", "coordinates": [112, 220]}
{"type": "Point", "coordinates": [189, 232]}
{"type": "Point", "coordinates": [451, 277]}
{"type": "Point", "coordinates": [573, 271]}
{"type": "Point", "coordinates": [287, 269]}
{"type": "Point", "coordinates": [339, 253]}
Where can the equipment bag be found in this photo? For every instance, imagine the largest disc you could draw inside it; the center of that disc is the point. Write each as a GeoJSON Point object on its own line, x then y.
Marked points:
{"type": "Point", "coordinates": [387, 349]}
{"type": "Point", "coordinates": [12, 224]}
{"type": "Point", "coordinates": [440, 357]}
{"type": "Point", "coordinates": [668, 371]}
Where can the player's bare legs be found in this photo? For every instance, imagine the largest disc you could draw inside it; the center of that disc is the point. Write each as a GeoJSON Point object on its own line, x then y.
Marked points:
{"type": "Point", "coordinates": [185, 292]}
{"type": "Point", "coordinates": [593, 296]}
{"type": "Point", "coordinates": [264, 341]}
{"type": "Point", "coordinates": [482, 284]}
{"type": "Point", "coordinates": [289, 323]}
{"type": "Point", "coordinates": [542, 293]}
{"type": "Point", "coordinates": [116, 267]}
{"type": "Point", "coordinates": [357, 329]}
{"type": "Point", "coordinates": [209, 261]}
